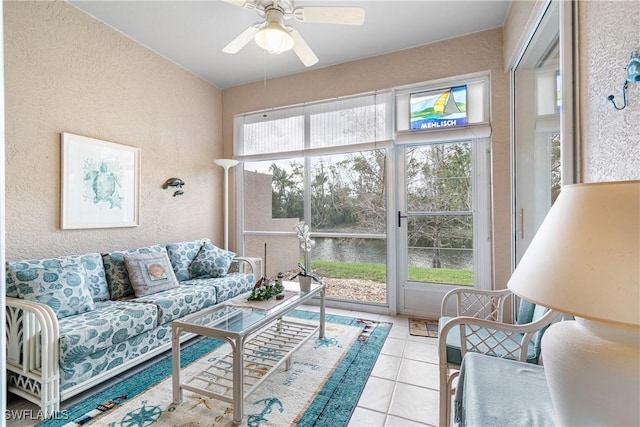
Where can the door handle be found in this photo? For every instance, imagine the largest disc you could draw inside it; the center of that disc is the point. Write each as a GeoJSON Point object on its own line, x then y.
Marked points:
{"type": "Point", "coordinates": [400, 216]}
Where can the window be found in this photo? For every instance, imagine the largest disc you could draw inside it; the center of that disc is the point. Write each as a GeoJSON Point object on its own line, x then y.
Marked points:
{"type": "Point", "coordinates": [342, 165]}
{"type": "Point", "coordinates": [323, 163]}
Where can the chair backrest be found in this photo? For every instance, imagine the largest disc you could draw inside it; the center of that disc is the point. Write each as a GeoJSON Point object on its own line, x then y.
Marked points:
{"type": "Point", "coordinates": [525, 312]}
{"type": "Point", "coordinates": [530, 312]}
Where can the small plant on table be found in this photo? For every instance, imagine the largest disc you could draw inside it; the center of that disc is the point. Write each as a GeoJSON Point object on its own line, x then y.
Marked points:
{"type": "Point", "coordinates": [265, 289]}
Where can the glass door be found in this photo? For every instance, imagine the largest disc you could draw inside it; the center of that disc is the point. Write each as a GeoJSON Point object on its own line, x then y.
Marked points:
{"type": "Point", "coordinates": [439, 216]}
{"type": "Point", "coordinates": [539, 151]}
{"type": "Point", "coordinates": [442, 223]}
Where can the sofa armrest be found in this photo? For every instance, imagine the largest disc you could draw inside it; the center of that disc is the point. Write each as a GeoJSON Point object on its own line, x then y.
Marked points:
{"type": "Point", "coordinates": [247, 265]}
{"type": "Point", "coordinates": [481, 304]}
{"type": "Point", "coordinates": [32, 353]}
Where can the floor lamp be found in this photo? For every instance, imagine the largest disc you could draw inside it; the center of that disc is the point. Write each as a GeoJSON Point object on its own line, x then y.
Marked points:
{"type": "Point", "coordinates": [226, 164]}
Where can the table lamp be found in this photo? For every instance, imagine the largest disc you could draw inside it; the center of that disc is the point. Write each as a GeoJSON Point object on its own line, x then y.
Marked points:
{"type": "Point", "coordinates": [585, 261]}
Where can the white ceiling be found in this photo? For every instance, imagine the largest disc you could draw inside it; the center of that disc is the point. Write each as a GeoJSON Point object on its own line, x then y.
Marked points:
{"type": "Point", "coordinates": [193, 33]}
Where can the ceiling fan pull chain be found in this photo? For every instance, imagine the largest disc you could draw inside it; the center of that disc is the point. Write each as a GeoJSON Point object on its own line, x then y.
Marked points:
{"type": "Point", "coordinates": [264, 56]}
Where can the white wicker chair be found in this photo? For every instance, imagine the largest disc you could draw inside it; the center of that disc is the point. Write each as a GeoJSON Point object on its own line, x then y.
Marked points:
{"type": "Point", "coordinates": [478, 326]}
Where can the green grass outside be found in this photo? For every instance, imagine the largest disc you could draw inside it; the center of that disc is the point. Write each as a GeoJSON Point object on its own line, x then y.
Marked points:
{"type": "Point", "coordinates": [378, 272]}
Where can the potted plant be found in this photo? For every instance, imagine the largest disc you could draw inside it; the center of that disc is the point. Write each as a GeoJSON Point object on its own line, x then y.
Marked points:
{"type": "Point", "coordinates": [306, 243]}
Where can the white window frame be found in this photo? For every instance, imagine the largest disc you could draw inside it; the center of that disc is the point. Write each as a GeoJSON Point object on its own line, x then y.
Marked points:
{"type": "Point", "coordinates": [478, 133]}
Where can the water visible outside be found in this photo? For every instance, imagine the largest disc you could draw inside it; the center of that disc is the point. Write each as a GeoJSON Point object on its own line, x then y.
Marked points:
{"type": "Point", "coordinates": [375, 251]}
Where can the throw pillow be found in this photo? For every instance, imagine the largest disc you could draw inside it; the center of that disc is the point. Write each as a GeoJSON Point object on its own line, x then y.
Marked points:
{"type": "Point", "coordinates": [116, 272]}
{"type": "Point", "coordinates": [182, 254]}
{"type": "Point", "coordinates": [150, 273]}
{"type": "Point", "coordinates": [91, 263]}
{"type": "Point", "coordinates": [211, 261]}
{"type": "Point", "coordinates": [61, 288]}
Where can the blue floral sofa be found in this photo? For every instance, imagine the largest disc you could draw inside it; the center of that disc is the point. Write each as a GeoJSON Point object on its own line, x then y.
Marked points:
{"type": "Point", "coordinates": [75, 321]}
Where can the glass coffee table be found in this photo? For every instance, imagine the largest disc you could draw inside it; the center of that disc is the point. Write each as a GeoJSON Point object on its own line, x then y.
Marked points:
{"type": "Point", "coordinates": [260, 339]}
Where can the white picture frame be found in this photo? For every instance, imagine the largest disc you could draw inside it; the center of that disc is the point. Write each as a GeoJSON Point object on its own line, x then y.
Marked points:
{"type": "Point", "coordinates": [100, 183]}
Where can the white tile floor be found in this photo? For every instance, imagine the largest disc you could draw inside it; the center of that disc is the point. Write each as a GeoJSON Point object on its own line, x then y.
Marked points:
{"type": "Point", "coordinates": [401, 391]}
{"type": "Point", "coordinates": [403, 387]}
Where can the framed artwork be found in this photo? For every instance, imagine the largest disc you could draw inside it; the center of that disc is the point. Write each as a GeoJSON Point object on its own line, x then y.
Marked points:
{"type": "Point", "coordinates": [100, 183]}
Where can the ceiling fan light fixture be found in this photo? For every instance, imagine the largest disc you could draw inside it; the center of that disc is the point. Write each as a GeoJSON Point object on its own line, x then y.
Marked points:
{"type": "Point", "coordinates": [272, 35]}
{"type": "Point", "coordinates": [274, 38]}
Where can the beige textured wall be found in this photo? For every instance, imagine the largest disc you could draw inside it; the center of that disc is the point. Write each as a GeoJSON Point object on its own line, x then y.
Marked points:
{"type": "Point", "coordinates": [66, 72]}
{"type": "Point", "coordinates": [473, 53]}
{"type": "Point", "coordinates": [518, 27]}
{"type": "Point", "coordinates": [280, 250]}
{"type": "Point", "coordinates": [609, 141]}
{"type": "Point", "coordinates": [609, 31]}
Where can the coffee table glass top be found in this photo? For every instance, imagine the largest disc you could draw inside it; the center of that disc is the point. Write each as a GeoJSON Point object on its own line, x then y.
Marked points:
{"type": "Point", "coordinates": [238, 319]}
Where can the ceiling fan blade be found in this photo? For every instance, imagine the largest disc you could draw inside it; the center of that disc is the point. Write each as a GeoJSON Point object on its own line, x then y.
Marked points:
{"type": "Point", "coordinates": [245, 37]}
{"type": "Point", "coordinates": [330, 15]}
{"type": "Point", "coordinates": [302, 49]}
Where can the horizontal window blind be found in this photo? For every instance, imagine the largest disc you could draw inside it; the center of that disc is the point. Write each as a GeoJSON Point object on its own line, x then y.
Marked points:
{"type": "Point", "coordinates": [361, 122]}
{"type": "Point", "coordinates": [316, 127]}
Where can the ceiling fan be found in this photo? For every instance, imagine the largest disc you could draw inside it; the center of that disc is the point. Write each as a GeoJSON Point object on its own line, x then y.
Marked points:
{"type": "Point", "coordinates": [275, 37]}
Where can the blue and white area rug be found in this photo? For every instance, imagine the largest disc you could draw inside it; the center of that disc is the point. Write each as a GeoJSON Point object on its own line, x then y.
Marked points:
{"type": "Point", "coordinates": [321, 388]}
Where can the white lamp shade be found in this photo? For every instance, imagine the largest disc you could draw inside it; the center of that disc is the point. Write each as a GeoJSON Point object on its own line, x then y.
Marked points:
{"type": "Point", "coordinates": [226, 163]}
{"type": "Point", "coordinates": [585, 258]}
{"type": "Point", "coordinates": [274, 38]}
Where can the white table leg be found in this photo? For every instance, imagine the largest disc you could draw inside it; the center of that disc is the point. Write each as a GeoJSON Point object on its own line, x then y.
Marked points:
{"type": "Point", "coordinates": [322, 314]}
{"type": "Point", "coordinates": [238, 381]}
{"type": "Point", "coordinates": [175, 352]}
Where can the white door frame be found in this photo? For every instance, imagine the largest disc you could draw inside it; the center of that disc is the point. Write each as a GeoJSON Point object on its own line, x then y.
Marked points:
{"type": "Point", "coordinates": [424, 299]}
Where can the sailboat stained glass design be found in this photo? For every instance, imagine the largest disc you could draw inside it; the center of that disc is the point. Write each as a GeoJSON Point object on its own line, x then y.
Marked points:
{"type": "Point", "coordinates": [439, 109]}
